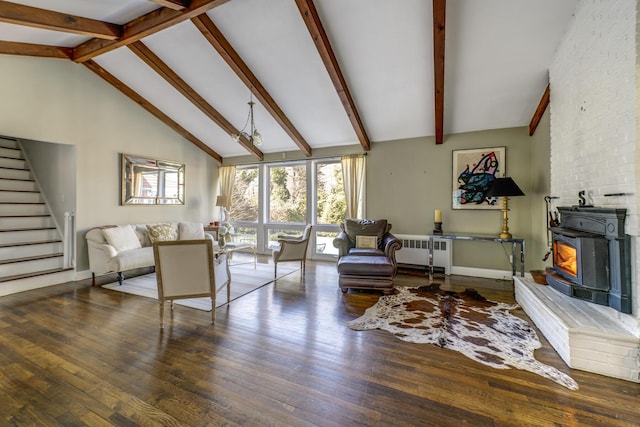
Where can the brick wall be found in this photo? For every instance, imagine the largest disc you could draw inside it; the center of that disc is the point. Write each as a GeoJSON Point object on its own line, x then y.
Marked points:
{"type": "Point", "coordinates": [594, 117]}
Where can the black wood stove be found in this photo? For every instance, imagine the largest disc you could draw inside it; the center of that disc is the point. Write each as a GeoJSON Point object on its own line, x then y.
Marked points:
{"type": "Point", "coordinates": [591, 256]}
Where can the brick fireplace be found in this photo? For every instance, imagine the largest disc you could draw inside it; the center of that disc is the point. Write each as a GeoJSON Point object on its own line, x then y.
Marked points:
{"type": "Point", "coordinates": [594, 150]}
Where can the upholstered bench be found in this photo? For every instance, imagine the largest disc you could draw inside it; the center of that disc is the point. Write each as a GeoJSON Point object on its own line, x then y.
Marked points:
{"type": "Point", "coordinates": [366, 272]}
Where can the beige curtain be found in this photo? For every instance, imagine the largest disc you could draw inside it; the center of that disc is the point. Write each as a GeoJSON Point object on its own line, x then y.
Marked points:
{"type": "Point", "coordinates": [227, 176]}
{"type": "Point", "coordinates": [353, 174]}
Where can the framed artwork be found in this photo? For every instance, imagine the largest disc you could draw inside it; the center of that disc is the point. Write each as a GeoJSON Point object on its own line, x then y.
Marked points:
{"type": "Point", "coordinates": [473, 171]}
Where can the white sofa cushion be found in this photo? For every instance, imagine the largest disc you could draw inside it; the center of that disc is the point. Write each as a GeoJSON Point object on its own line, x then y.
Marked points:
{"type": "Point", "coordinates": [122, 238]}
{"type": "Point", "coordinates": [133, 258]}
{"type": "Point", "coordinates": [190, 231]}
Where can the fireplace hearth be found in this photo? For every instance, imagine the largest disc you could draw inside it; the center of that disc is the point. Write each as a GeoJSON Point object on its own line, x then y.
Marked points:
{"type": "Point", "coordinates": [591, 256]}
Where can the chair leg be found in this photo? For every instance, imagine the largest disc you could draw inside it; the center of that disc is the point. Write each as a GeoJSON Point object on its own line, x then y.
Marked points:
{"type": "Point", "coordinates": [161, 314]}
{"type": "Point", "coordinates": [275, 270]}
{"type": "Point", "coordinates": [120, 277]}
{"type": "Point", "coordinates": [213, 309]}
{"type": "Point", "coordinates": [93, 279]}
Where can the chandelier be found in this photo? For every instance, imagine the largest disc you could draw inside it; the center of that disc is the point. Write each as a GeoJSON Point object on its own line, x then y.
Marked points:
{"type": "Point", "coordinates": [253, 135]}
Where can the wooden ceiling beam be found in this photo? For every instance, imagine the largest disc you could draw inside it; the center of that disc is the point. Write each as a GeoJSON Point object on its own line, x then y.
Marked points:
{"type": "Point", "coordinates": [135, 97]}
{"type": "Point", "coordinates": [220, 44]}
{"type": "Point", "coordinates": [320, 39]}
{"type": "Point", "coordinates": [439, 20]}
{"type": "Point", "coordinates": [153, 61]}
{"type": "Point", "coordinates": [30, 49]}
{"type": "Point", "coordinates": [173, 4]}
{"type": "Point", "coordinates": [144, 26]}
{"type": "Point", "coordinates": [542, 106]}
{"type": "Point", "coordinates": [13, 13]}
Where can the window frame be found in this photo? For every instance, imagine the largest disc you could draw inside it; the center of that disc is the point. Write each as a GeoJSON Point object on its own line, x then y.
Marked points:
{"type": "Point", "coordinates": [263, 224]}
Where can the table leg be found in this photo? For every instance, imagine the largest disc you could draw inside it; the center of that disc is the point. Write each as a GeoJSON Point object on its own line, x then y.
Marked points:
{"type": "Point", "coordinates": [513, 259]}
{"type": "Point", "coordinates": [522, 251]}
{"type": "Point", "coordinates": [255, 256]}
{"type": "Point", "coordinates": [430, 265]}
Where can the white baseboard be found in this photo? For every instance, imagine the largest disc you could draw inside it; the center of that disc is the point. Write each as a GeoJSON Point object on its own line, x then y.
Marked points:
{"type": "Point", "coordinates": [82, 275]}
{"type": "Point", "coordinates": [484, 272]}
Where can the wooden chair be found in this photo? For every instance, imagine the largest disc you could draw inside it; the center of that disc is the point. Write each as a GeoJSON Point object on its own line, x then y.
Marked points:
{"type": "Point", "coordinates": [188, 269]}
{"type": "Point", "coordinates": [292, 249]}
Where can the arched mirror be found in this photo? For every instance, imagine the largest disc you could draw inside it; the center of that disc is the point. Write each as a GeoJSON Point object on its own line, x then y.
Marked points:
{"type": "Point", "coordinates": [151, 182]}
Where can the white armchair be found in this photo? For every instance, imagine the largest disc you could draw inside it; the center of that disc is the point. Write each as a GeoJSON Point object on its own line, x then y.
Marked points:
{"type": "Point", "coordinates": [290, 249]}
{"type": "Point", "coordinates": [187, 269]}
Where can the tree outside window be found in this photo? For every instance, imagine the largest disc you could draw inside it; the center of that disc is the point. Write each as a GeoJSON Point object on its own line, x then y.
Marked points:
{"type": "Point", "coordinates": [288, 194]}
{"type": "Point", "coordinates": [330, 199]}
{"type": "Point", "coordinates": [244, 200]}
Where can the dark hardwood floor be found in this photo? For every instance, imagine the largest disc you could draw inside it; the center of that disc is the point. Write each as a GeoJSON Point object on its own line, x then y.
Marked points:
{"type": "Point", "coordinates": [74, 354]}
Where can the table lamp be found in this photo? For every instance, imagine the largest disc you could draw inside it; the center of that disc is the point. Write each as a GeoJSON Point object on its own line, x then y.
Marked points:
{"type": "Point", "coordinates": [505, 188]}
{"type": "Point", "coordinates": [224, 215]}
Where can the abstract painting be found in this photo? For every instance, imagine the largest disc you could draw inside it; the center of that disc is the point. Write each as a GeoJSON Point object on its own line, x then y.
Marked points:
{"type": "Point", "coordinates": [473, 171]}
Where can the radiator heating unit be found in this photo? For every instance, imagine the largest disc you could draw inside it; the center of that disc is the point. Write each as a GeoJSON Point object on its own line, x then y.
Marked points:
{"type": "Point", "coordinates": [415, 252]}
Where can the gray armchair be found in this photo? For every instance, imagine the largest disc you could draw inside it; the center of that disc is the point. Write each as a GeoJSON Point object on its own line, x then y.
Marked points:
{"type": "Point", "coordinates": [366, 254]}
{"type": "Point", "coordinates": [386, 243]}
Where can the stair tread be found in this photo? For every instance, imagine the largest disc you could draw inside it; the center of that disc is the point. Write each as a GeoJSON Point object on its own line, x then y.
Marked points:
{"type": "Point", "coordinates": [34, 274]}
{"type": "Point", "coordinates": [26, 229]}
{"type": "Point", "coordinates": [39, 242]}
{"type": "Point", "coordinates": [21, 203]}
{"type": "Point", "coordinates": [15, 169]}
{"type": "Point", "coordinates": [24, 216]}
{"type": "Point", "coordinates": [21, 191]}
{"type": "Point", "coordinates": [17, 179]}
{"type": "Point", "coordinates": [30, 258]}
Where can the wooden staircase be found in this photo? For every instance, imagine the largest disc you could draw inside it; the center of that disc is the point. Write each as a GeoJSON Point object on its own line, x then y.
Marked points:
{"type": "Point", "coordinates": [30, 243]}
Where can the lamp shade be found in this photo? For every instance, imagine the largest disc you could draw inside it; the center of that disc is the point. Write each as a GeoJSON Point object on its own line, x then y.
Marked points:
{"type": "Point", "coordinates": [503, 187]}
{"type": "Point", "coordinates": [221, 201]}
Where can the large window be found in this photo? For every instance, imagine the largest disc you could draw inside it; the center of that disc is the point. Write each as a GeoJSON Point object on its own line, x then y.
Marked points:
{"type": "Point", "coordinates": [288, 194]}
{"type": "Point", "coordinates": [278, 199]}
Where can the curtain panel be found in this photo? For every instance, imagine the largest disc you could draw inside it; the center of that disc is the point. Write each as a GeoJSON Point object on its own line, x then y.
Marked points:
{"type": "Point", "coordinates": [227, 180]}
{"type": "Point", "coordinates": [353, 174]}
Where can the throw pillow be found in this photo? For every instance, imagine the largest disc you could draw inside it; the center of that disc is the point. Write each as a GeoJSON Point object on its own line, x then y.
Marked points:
{"type": "Point", "coordinates": [161, 232]}
{"type": "Point", "coordinates": [190, 231]}
{"type": "Point", "coordinates": [366, 242]}
{"type": "Point", "coordinates": [122, 237]}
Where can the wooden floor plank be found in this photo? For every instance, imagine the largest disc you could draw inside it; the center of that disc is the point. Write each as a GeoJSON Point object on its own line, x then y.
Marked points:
{"type": "Point", "coordinates": [74, 354]}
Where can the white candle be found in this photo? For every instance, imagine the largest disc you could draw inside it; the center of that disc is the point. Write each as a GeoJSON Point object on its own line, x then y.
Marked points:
{"type": "Point", "coordinates": [438, 215]}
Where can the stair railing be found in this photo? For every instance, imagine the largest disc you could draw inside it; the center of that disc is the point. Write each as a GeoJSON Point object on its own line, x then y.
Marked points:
{"type": "Point", "coordinates": [68, 239]}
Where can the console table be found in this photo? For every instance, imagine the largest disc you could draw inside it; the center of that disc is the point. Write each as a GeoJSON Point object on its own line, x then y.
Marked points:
{"type": "Point", "coordinates": [212, 228]}
{"type": "Point", "coordinates": [481, 238]}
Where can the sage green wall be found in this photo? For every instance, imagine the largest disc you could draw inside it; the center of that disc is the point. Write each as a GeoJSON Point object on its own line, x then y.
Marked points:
{"type": "Point", "coordinates": [408, 179]}
{"type": "Point", "coordinates": [54, 168]}
{"type": "Point", "coordinates": [62, 102]}
{"type": "Point", "coordinates": [59, 101]}
{"type": "Point", "coordinates": [537, 246]}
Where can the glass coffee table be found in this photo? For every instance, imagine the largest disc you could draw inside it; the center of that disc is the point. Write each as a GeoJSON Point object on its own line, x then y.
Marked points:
{"type": "Point", "coordinates": [231, 247]}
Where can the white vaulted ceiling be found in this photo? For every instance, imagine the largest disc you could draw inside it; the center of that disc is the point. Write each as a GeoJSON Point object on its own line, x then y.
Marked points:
{"type": "Point", "coordinates": [497, 55]}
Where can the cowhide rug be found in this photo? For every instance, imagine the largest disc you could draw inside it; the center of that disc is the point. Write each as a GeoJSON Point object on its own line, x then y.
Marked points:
{"type": "Point", "coordinates": [482, 330]}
